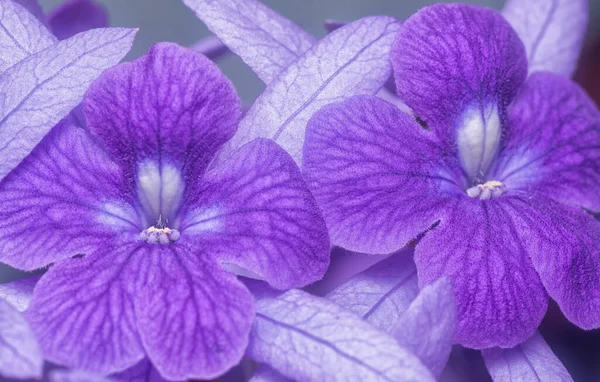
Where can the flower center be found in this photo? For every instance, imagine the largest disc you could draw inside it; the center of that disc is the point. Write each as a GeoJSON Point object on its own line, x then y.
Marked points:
{"type": "Point", "coordinates": [160, 234]}
{"type": "Point", "coordinates": [487, 190]}
{"type": "Point", "coordinates": [478, 140]}
{"type": "Point", "coordinates": [159, 191]}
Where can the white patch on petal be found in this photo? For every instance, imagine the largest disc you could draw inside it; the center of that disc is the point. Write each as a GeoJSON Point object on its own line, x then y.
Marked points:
{"type": "Point", "coordinates": [205, 220]}
{"type": "Point", "coordinates": [479, 139]}
{"type": "Point", "coordinates": [159, 190]}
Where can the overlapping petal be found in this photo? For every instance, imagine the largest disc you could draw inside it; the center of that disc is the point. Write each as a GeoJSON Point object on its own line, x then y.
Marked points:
{"type": "Point", "coordinates": [76, 16]}
{"type": "Point", "coordinates": [376, 174]}
{"type": "Point", "coordinates": [553, 142]}
{"type": "Point", "coordinates": [563, 244]}
{"type": "Point", "coordinates": [34, 7]}
{"type": "Point", "coordinates": [500, 298]}
{"type": "Point", "coordinates": [173, 106]}
{"type": "Point", "coordinates": [18, 293]}
{"type": "Point", "coordinates": [20, 354]}
{"type": "Point", "coordinates": [64, 199]}
{"type": "Point", "coordinates": [40, 90]}
{"type": "Point", "coordinates": [311, 339]}
{"type": "Point", "coordinates": [143, 371]}
{"type": "Point", "coordinates": [531, 360]}
{"type": "Point", "coordinates": [452, 58]}
{"type": "Point", "coordinates": [82, 310]}
{"type": "Point", "coordinates": [21, 34]}
{"type": "Point", "coordinates": [551, 30]}
{"type": "Point", "coordinates": [193, 317]}
{"type": "Point", "coordinates": [255, 211]}
{"type": "Point", "coordinates": [352, 60]}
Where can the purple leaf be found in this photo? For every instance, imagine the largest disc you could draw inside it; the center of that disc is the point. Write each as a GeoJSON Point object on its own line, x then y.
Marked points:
{"type": "Point", "coordinates": [533, 360]}
{"type": "Point", "coordinates": [352, 60]}
{"type": "Point", "coordinates": [382, 293]}
{"type": "Point", "coordinates": [551, 30]}
{"type": "Point", "coordinates": [309, 338]}
{"type": "Point", "coordinates": [21, 34]}
{"type": "Point", "coordinates": [75, 16]}
{"type": "Point", "coordinates": [265, 40]}
{"type": "Point", "coordinates": [20, 354]}
{"type": "Point", "coordinates": [18, 293]}
{"type": "Point", "coordinates": [34, 7]}
{"type": "Point", "coordinates": [427, 327]}
{"type": "Point", "coordinates": [43, 88]}
{"type": "Point", "coordinates": [69, 375]}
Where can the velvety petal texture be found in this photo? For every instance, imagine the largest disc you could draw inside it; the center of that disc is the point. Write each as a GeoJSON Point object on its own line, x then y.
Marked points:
{"type": "Point", "coordinates": [64, 199]}
{"type": "Point", "coordinates": [265, 40]}
{"type": "Point", "coordinates": [311, 339]}
{"type": "Point", "coordinates": [551, 30]}
{"type": "Point", "coordinates": [427, 326]}
{"type": "Point", "coordinates": [30, 107]}
{"type": "Point", "coordinates": [360, 169]}
{"type": "Point", "coordinates": [553, 142]}
{"type": "Point", "coordinates": [452, 61]}
{"type": "Point", "coordinates": [75, 16]}
{"type": "Point", "coordinates": [21, 33]}
{"type": "Point", "coordinates": [255, 211]}
{"type": "Point", "coordinates": [193, 317]}
{"type": "Point", "coordinates": [18, 293]}
{"type": "Point", "coordinates": [20, 354]}
{"type": "Point", "coordinates": [382, 293]}
{"type": "Point", "coordinates": [501, 300]}
{"type": "Point", "coordinates": [533, 360]}
{"type": "Point", "coordinates": [173, 104]}
{"type": "Point", "coordinates": [352, 60]}
{"type": "Point", "coordinates": [82, 311]}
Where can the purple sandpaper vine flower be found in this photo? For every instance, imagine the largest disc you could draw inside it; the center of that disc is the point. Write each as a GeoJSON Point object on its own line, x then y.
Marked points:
{"type": "Point", "coordinates": [157, 226]}
{"type": "Point", "coordinates": [499, 175]}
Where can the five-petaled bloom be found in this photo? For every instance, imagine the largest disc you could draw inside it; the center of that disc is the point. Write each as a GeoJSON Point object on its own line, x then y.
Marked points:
{"type": "Point", "coordinates": [500, 174]}
{"type": "Point", "coordinates": [157, 224]}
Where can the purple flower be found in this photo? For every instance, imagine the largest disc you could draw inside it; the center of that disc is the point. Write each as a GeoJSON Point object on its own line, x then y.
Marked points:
{"type": "Point", "coordinates": [76, 16]}
{"type": "Point", "coordinates": [157, 225]}
{"type": "Point", "coordinates": [498, 173]}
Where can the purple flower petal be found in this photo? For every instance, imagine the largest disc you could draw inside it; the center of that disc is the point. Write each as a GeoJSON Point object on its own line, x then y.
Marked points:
{"type": "Point", "coordinates": [352, 60]}
{"type": "Point", "coordinates": [551, 30]}
{"type": "Point", "coordinates": [331, 25]}
{"type": "Point", "coordinates": [266, 41]}
{"type": "Point", "coordinates": [562, 242]}
{"type": "Point", "coordinates": [382, 293]}
{"type": "Point", "coordinates": [309, 338]}
{"type": "Point", "coordinates": [142, 371]}
{"type": "Point", "coordinates": [500, 299]}
{"type": "Point", "coordinates": [55, 206]}
{"type": "Point", "coordinates": [529, 361]}
{"type": "Point", "coordinates": [66, 68]}
{"type": "Point", "coordinates": [34, 8]}
{"type": "Point", "coordinates": [427, 327]}
{"type": "Point", "coordinates": [172, 103]}
{"type": "Point", "coordinates": [553, 144]}
{"type": "Point", "coordinates": [18, 293]}
{"type": "Point", "coordinates": [255, 211]}
{"type": "Point", "coordinates": [193, 317]}
{"type": "Point", "coordinates": [75, 16]}
{"type": "Point", "coordinates": [454, 60]}
{"type": "Point", "coordinates": [21, 34]}
{"type": "Point", "coordinates": [266, 374]}
{"type": "Point", "coordinates": [82, 310]}
{"type": "Point", "coordinates": [20, 354]}
{"type": "Point", "coordinates": [361, 170]}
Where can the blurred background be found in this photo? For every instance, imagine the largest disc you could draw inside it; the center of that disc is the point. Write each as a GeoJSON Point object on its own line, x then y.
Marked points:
{"type": "Point", "coordinates": [171, 20]}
